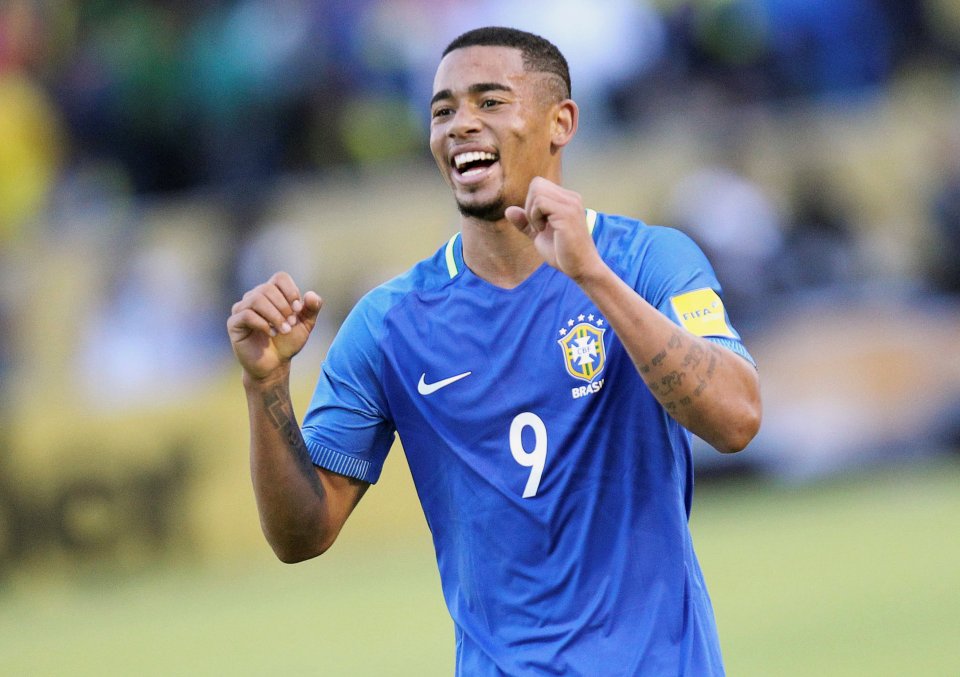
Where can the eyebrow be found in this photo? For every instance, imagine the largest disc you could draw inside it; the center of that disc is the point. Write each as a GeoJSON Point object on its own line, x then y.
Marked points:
{"type": "Point", "coordinates": [478, 88]}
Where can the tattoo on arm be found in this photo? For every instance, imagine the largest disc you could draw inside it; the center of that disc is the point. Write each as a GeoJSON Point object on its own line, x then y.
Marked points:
{"type": "Point", "coordinates": [699, 363]}
{"type": "Point", "coordinates": [704, 381]}
{"type": "Point", "coordinates": [280, 411]}
{"type": "Point", "coordinates": [694, 357]}
{"type": "Point", "coordinates": [714, 354]}
{"type": "Point", "coordinates": [672, 380]}
{"type": "Point", "coordinates": [701, 386]}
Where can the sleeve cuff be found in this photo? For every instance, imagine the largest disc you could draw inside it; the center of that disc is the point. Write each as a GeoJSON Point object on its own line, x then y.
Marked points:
{"type": "Point", "coordinates": [341, 463]}
{"type": "Point", "coordinates": [735, 346]}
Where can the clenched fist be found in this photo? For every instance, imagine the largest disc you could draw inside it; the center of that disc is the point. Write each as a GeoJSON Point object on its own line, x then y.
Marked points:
{"type": "Point", "coordinates": [554, 218]}
{"type": "Point", "coordinates": [271, 324]}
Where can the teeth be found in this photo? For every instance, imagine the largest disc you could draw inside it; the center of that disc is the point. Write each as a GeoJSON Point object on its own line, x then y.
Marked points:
{"type": "Point", "coordinates": [473, 156]}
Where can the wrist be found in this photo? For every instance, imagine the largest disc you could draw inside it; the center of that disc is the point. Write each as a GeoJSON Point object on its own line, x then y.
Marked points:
{"type": "Point", "coordinates": [597, 273]}
{"type": "Point", "coordinates": [279, 376]}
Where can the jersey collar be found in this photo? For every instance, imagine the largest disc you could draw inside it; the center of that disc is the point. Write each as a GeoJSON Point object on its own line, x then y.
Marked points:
{"type": "Point", "coordinates": [453, 253]}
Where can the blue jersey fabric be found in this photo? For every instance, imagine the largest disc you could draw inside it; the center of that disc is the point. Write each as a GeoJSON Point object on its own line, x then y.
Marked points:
{"type": "Point", "coordinates": [593, 572]}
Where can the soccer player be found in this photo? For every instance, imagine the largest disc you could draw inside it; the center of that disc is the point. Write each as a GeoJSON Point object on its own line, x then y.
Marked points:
{"type": "Point", "coordinates": [542, 370]}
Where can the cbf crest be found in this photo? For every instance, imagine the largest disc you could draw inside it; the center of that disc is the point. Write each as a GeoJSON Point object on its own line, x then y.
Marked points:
{"type": "Point", "coordinates": [584, 354]}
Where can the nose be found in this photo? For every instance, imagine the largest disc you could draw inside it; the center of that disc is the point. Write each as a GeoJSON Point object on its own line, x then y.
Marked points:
{"type": "Point", "coordinates": [465, 122]}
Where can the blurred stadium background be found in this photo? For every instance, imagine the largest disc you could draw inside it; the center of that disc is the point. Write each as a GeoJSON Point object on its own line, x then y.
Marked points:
{"type": "Point", "coordinates": [158, 157]}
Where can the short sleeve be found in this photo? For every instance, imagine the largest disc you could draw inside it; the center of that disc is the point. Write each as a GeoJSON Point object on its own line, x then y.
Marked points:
{"type": "Point", "coordinates": [672, 273]}
{"type": "Point", "coordinates": [347, 428]}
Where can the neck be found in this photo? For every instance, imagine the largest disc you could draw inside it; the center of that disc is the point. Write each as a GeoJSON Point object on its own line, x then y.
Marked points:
{"type": "Point", "coordinates": [498, 253]}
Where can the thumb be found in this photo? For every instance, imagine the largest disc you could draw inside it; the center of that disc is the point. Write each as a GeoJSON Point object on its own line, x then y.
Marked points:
{"type": "Point", "coordinates": [518, 217]}
{"type": "Point", "coordinates": [312, 303]}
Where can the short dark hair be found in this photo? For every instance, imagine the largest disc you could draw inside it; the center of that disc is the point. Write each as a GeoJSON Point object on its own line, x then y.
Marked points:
{"type": "Point", "coordinates": [539, 54]}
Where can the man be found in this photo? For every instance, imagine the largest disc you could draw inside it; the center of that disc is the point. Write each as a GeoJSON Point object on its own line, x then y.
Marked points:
{"type": "Point", "coordinates": [541, 370]}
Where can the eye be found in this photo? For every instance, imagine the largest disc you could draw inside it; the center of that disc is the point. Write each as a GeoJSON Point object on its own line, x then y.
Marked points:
{"type": "Point", "coordinates": [489, 103]}
{"type": "Point", "coordinates": [441, 112]}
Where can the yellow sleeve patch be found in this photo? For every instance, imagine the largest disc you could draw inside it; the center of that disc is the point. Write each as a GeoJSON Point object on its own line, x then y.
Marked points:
{"type": "Point", "coordinates": [701, 313]}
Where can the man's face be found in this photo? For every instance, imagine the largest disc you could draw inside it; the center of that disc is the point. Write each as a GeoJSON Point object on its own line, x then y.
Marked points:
{"type": "Point", "coordinates": [490, 129]}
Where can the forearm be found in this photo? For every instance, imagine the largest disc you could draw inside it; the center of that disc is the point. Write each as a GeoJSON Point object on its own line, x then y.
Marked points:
{"type": "Point", "coordinates": [291, 500]}
{"type": "Point", "coordinates": [709, 390]}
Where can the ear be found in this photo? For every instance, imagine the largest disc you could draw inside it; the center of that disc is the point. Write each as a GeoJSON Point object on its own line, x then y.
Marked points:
{"type": "Point", "coordinates": [566, 117]}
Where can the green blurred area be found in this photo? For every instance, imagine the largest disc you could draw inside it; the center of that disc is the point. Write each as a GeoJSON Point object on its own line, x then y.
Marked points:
{"type": "Point", "coordinates": [849, 577]}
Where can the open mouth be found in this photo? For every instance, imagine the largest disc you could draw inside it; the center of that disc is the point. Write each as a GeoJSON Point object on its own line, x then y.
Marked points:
{"type": "Point", "coordinates": [474, 162]}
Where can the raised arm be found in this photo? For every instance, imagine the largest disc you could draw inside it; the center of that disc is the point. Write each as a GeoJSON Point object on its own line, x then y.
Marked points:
{"type": "Point", "coordinates": [302, 507]}
{"type": "Point", "coordinates": [708, 389]}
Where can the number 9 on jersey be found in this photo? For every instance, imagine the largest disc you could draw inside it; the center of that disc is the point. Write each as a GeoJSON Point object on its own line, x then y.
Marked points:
{"type": "Point", "coordinates": [537, 457]}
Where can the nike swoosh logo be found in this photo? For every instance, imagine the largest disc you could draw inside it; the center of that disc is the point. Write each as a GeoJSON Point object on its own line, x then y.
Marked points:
{"type": "Point", "coordinates": [425, 388]}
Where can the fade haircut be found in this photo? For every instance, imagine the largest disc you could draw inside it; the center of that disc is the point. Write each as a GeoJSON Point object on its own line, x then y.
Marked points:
{"type": "Point", "coordinates": [539, 54]}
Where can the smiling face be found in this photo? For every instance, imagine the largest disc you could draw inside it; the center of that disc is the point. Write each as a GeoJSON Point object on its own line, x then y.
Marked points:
{"type": "Point", "coordinates": [494, 127]}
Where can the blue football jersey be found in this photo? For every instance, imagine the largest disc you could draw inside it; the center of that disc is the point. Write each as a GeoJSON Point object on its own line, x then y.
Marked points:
{"type": "Point", "coordinates": [556, 488]}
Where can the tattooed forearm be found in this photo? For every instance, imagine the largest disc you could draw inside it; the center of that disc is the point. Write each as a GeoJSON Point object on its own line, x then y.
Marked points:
{"type": "Point", "coordinates": [280, 410]}
{"type": "Point", "coordinates": [714, 355]}
{"type": "Point", "coordinates": [672, 380]}
{"type": "Point", "coordinates": [701, 386]}
{"type": "Point", "coordinates": [683, 379]}
{"type": "Point", "coordinates": [693, 358]}
{"type": "Point", "coordinates": [676, 341]}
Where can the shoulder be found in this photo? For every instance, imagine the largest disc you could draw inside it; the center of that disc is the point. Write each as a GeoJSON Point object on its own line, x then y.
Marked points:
{"type": "Point", "coordinates": [359, 340]}
{"type": "Point", "coordinates": [629, 243]}
{"type": "Point", "coordinates": [428, 276]}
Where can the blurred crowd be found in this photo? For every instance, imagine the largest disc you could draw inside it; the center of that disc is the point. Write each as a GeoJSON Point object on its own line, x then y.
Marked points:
{"type": "Point", "coordinates": [106, 104]}
{"type": "Point", "coordinates": [177, 95]}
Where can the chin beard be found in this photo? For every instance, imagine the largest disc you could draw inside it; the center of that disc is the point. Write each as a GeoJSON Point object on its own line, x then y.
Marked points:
{"type": "Point", "coordinates": [487, 211]}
